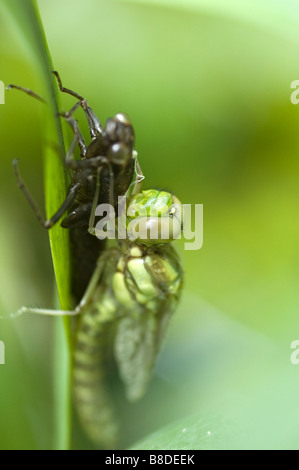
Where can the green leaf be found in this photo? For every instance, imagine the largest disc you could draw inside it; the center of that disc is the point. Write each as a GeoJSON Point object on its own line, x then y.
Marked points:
{"type": "Point", "coordinates": [280, 18]}
{"type": "Point", "coordinates": [191, 433]}
{"type": "Point", "coordinates": [25, 16]}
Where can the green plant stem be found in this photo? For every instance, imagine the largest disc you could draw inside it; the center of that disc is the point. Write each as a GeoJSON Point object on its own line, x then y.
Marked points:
{"type": "Point", "coordinates": [24, 14]}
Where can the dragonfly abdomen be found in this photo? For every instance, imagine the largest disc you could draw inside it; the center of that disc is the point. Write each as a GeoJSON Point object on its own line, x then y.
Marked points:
{"type": "Point", "coordinates": [92, 398]}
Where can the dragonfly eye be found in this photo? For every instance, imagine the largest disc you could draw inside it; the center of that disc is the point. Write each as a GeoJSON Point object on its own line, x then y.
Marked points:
{"type": "Point", "coordinates": [154, 217]}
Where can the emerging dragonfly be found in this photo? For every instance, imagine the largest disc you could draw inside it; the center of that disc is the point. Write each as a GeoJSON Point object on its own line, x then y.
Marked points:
{"type": "Point", "coordinates": [129, 299]}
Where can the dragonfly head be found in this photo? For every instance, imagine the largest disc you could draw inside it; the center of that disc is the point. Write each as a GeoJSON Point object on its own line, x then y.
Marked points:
{"type": "Point", "coordinates": [120, 134]}
{"type": "Point", "coordinates": [154, 217]}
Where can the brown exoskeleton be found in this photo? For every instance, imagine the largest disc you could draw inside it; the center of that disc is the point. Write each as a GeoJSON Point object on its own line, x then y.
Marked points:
{"type": "Point", "coordinates": [104, 172]}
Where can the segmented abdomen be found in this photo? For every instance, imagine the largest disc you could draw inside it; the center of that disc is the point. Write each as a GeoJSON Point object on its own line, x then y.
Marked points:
{"type": "Point", "coordinates": [90, 382]}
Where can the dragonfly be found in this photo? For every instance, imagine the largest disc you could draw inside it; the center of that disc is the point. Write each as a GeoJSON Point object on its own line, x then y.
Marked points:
{"type": "Point", "coordinates": [125, 312]}
{"type": "Point", "coordinates": [130, 297]}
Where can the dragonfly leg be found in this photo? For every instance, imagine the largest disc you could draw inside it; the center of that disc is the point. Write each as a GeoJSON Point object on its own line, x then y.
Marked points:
{"type": "Point", "coordinates": [91, 228]}
{"type": "Point", "coordinates": [85, 299]}
{"type": "Point", "coordinates": [46, 223]}
{"type": "Point", "coordinates": [93, 162]}
{"type": "Point", "coordinates": [78, 139]}
{"type": "Point", "coordinates": [40, 311]}
{"type": "Point", "coordinates": [27, 91]}
{"type": "Point", "coordinates": [45, 311]}
{"type": "Point", "coordinates": [94, 124]}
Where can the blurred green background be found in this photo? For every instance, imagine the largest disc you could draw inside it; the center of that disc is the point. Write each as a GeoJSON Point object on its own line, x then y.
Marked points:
{"type": "Point", "coordinates": [207, 86]}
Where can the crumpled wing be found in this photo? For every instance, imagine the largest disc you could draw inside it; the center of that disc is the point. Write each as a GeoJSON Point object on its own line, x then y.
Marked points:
{"type": "Point", "coordinates": [137, 342]}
